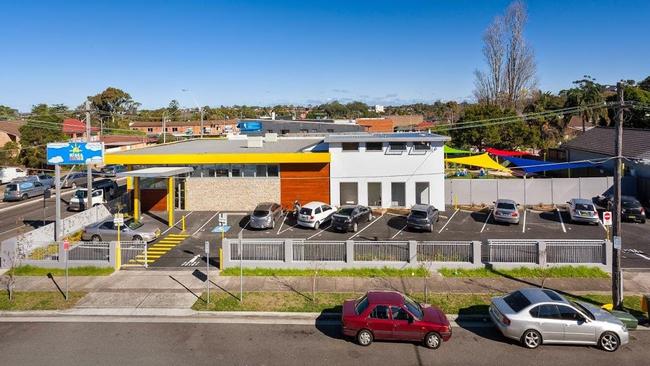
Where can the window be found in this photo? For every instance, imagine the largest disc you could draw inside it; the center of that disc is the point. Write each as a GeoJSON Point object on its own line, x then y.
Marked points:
{"type": "Point", "coordinates": [313, 130]}
{"type": "Point", "coordinates": [362, 305]}
{"type": "Point", "coordinates": [397, 146]}
{"type": "Point", "coordinates": [221, 170]}
{"type": "Point", "coordinates": [547, 311]}
{"type": "Point", "coordinates": [552, 295]}
{"type": "Point", "coordinates": [517, 301]}
{"type": "Point", "coordinates": [350, 146]}
{"type": "Point", "coordinates": [374, 146]}
{"type": "Point", "coordinates": [330, 130]}
{"type": "Point", "coordinates": [413, 307]}
{"type": "Point", "coordinates": [421, 146]}
{"type": "Point", "coordinates": [248, 170]}
{"type": "Point", "coordinates": [273, 170]}
{"type": "Point", "coordinates": [260, 171]}
{"type": "Point", "coordinates": [166, 129]}
{"type": "Point", "coordinates": [399, 313]}
{"type": "Point", "coordinates": [325, 208]}
{"type": "Point", "coordinates": [284, 132]}
{"type": "Point", "coordinates": [174, 129]}
{"type": "Point", "coordinates": [398, 194]}
{"type": "Point", "coordinates": [304, 130]}
{"type": "Point", "coordinates": [317, 211]}
{"type": "Point", "coordinates": [374, 194]}
{"type": "Point", "coordinates": [235, 171]}
{"type": "Point", "coordinates": [305, 211]}
{"type": "Point", "coordinates": [567, 313]}
{"type": "Point", "coordinates": [150, 129]}
{"type": "Point", "coordinates": [379, 312]}
{"type": "Point", "coordinates": [107, 226]}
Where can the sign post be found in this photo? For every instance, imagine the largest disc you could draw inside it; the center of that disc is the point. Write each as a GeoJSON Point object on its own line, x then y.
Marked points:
{"type": "Point", "coordinates": [207, 269]}
{"type": "Point", "coordinates": [118, 221]}
{"type": "Point", "coordinates": [241, 268]}
{"type": "Point", "coordinates": [66, 249]}
{"type": "Point", "coordinates": [607, 218]}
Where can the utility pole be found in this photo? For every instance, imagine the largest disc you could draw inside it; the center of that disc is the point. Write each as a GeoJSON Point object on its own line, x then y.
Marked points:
{"type": "Point", "coordinates": [164, 128]}
{"type": "Point", "coordinates": [201, 110]}
{"type": "Point", "coordinates": [617, 288]}
{"type": "Point", "coordinates": [89, 171]}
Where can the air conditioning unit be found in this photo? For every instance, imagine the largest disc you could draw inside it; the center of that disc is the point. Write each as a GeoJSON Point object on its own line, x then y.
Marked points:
{"type": "Point", "coordinates": [255, 141]}
{"type": "Point", "coordinates": [271, 137]}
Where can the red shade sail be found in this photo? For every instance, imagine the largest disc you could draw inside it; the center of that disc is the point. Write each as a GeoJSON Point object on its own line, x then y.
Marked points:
{"type": "Point", "coordinates": [506, 153]}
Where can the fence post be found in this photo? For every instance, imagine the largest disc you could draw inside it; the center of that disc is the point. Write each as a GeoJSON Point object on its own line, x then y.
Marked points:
{"type": "Point", "coordinates": [541, 253]}
{"type": "Point", "coordinates": [413, 251]}
{"type": "Point", "coordinates": [349, 251]}
{"type": "Point", "coordinates": [476, 253]}
{"type": "Point", "coordinates": [288, 250]}
{"type": "Point", "coordinates": [225, 253]}
{"type": "Point", "coordinates": [112, 255]}
{"type": "Point", "coordinates": [608, 255]}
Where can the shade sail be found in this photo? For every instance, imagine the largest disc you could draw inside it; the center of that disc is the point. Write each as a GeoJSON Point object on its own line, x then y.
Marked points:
{"type": "Point", "coordinates": [506, 153]}
{"type": "Point", "coordinates": [482, 161]}
{"type": "Point", "coordinates": [451, 150]}
{"type": "Point", "coordinates": [535, 166]}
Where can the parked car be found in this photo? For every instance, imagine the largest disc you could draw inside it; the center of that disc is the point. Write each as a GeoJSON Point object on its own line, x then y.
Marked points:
{"type": "Point", "coordinates": [422, 217]}
{"type": "Point", "coordinates": [265, 215]}
{"type": "Point", "coordinates": [583, 210]}
{"type": "Point", "coordinates": [9, 173]}
{"type": "Point", "coordinates": [314, 214]}
{"type": "Point", "coordinates": [78, 200]}
{"type": "Point", "coordinates": [45, 179]}
{"type": "Point", "coordinates": [631, 208]}
{"type": "Point", "coordinates": [536, 316]}
{"type": "Point", "coordinates": [112, 170]}
{"type": "Point", "coordinates": [74, 180]}
{"type": "Point", "coordinates": [131, 230]}
{"type": "Point", "coordinates": [19, 191]}
{"type": "Point", "coordinates": [390, 315]}
{"type": "Point", "coordinates": [506, 211]}
{"type": "Point", "coordinates": [109, 187]}
{"type": "Point", "coordinates": [348, 217]}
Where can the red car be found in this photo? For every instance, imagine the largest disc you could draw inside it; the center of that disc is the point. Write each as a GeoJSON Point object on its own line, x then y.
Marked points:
{"type": "Point", "coordinates": [391, 315]}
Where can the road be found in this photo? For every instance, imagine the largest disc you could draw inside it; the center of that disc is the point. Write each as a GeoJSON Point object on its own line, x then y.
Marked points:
{"type": "Point", "coordinates": [72, 344]}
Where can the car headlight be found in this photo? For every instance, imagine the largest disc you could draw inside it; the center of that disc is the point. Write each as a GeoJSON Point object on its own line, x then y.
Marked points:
{"type": "Point", "coordinates": [624, 328]}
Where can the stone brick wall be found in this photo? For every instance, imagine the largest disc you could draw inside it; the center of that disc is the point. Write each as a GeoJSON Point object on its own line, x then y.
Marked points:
{"type": "Point", "coordinates": [229, 194]}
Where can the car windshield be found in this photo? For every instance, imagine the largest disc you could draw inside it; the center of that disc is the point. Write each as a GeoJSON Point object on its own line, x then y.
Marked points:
{"type": "Point", "coordinates": [413, 307]}
{"type": "Point", "coordinates": [81, 194]}
{"type": "Point", "coordinates": [583, 309]}
{"type": "Point", "coordinates": [11, 188]}
{"type": "Point", "coordinates": [418, 214]}
{"type": "Point", "coordinates": [505, 206]}
{"type": "Point", "coordinates": [584, 207]}
{"type": "Point", "coordinates": [132, 224]}
{"type": "Point", "coordinates": [305, 211]}
{"type": "Point", "coordinates": [362, 305]}
{"type": "Point", "coordinates": [630, 203]}
{"type": "Point", "coordinates": [260, 213]}
{"type": "Point", "coordinates": [346, 211]}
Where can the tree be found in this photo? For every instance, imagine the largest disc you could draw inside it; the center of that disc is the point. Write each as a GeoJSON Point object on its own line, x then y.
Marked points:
{"type": "Point", "coordinates": [172, 110]}
{"type": "Point", "coordinates": [511, 63]}
{"type": "Point", "coordinates": [7, 112]}
{"type": "Point", "coordinates": [111, 104]}
{"type": "Point", "coordinates": [645, 84]}
{"type": "Point", "coordinates": [9, 153]}
{"type": "Point", "coordinates": [638, 114]}
{"type": "Point", "coordinates": [587, 94]}
{"type": "Point", "coordinates": [44, 126]}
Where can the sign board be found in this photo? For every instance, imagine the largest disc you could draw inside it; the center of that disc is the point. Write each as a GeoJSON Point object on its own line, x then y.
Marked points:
{"type": "Point", "coordinates": [221, 229]}
{"type": "Point", "coordinates": [223, 219]}
{"type": "Point", "coordinates": [607, 218]}
{"type": "Point", "coordinates": [207, 247]}
{"type": "Point", "coordinates": [617, 242]}
{"type": "Point", "coordinates": [66, 245]}
{"type": "Point", "coordinates": [70, 153]}
{"type": "Point", "coordinates": [118, 219]}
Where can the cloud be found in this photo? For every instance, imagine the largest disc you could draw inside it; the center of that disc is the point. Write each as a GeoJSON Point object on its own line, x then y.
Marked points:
{"type": "Point", "coordinates": [94, 159]}
{"type": "Point", "coordinates": [392, 95]}
{"type": "Point", "coordinates": [55, 160]}
{"type": "Point", "coordinates": [94, 146]}
{"type": "Point", "coordinates": [58, 145]}
{"type": "Point", "coordinates": [340, 91]}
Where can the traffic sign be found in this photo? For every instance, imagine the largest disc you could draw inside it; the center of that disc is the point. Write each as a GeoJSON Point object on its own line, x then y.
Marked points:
{"type": "Point", "coordinates": [118, 219]}
{"type": "Point", "coordinates": [607, 218]}
{"type": "Point", "coordinates": [66, 245]}
{"type": "Point", "coordinates": [207, 247]}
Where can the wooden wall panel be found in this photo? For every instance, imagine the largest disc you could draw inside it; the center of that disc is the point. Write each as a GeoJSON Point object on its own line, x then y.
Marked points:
{"type": "Point", "coordinates": [153, 199]}
{"type": "Point", "coordinates": [304, 182]}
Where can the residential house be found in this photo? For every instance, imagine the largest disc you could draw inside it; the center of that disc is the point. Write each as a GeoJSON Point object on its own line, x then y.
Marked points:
{"type": "Point", "coordinates": [376, 124]}
{"type": "Point", "coordinates": [186, 128]}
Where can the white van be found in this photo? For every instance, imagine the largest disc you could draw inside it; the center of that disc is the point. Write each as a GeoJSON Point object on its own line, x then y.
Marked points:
{"type": "Point", "coordinates": [78, 201]}
{"type": "Point", "coordinates": [8, 173]}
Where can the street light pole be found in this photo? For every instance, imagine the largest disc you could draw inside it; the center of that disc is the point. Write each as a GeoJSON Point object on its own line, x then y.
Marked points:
{"type": "Point", "coordinates": [164, 127]}
{"type": "Point", "coordinates": [617, 287]}
{"type": "Point", "coordinates": [89, 171]}
{"type": "Point", "coordinates": [197, 106]}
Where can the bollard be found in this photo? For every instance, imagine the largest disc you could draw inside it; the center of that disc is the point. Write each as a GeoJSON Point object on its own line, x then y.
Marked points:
{"type": "Point", "coordinates": [221, 258]}
{"type": "Point", "coordinates": [183, 223]}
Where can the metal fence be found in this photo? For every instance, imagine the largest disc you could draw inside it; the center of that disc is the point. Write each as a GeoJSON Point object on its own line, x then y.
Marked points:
{"type": "Point", "coordinates": [89, 251]}
{"type": "Point", "coordinates": [319, 251]}
{"type": "Point", "coordinates": [512, 251]}
{"type": "Point", "coordinates": [584, 251]}
{"type": "Point", "coordinates": [442, 251]}
{"type": "Point", "coordinates": [134, 254]}
{"type": "Point", "coordinates": [258, 250]}
{"type": "Point", "coordinates": [381, 251]}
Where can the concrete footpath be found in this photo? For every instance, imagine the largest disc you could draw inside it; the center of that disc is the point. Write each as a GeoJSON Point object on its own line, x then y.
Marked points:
{"type": "Point", "coordinates": [132, 289]}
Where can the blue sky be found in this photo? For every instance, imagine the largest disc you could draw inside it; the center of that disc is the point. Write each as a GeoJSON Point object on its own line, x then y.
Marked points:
{"type": "Point", "coordinates": [269, 52]}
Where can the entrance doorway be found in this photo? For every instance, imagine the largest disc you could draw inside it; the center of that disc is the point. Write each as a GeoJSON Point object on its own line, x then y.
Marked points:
{"type": "Point", "coordinates": [374, 194]}
{"type": "Point", "coordinates": [422, 193]}
{"type": "Point", "coordinates": [398, 194]}
{"type": "Point", "coordinates": [349, 193]}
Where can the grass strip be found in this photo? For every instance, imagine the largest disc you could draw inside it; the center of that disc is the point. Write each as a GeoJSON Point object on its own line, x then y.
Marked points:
{"type": "Point", "coordinates": [39, 300]}
{"type": "Point", "coordinates": [348, 272]}
{"type": "Point", "coordinates": [526, 272]}
{"type": "Point", "coordinates": [29, 270]}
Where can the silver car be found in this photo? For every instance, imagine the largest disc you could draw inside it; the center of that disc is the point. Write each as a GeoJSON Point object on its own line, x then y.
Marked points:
{"type": "Point", "coordinates": [131, 230]}
{"type": "Point", "coordinates": [506, 211]}
{"type": "Point", "coordinates": [265, 215]}
{"type": "Point", "coordinates": [534, 316]}
{"type": "Point", "coordinates": [583, 210]}
{"type": "Point", "coordinates": [22, 190]}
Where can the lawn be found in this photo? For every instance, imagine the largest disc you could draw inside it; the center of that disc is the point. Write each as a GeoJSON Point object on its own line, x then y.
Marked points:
{"type": "Point", "coordinates": [348, 272]}
{"type": "Point", "coordinates": [525, 272]}
{"type": "Point", "coordinates": [28, 270]}
{"type": "Point", "coordinates": [41, 300]}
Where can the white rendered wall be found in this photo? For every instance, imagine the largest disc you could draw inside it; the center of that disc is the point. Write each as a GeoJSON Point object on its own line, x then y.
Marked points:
{"type": "Point", "coordinates": [379, 166]}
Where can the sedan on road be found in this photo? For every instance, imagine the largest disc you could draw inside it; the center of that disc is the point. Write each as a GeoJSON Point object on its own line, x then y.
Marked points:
{"type": "Point", "coordinates": [506, 211]}
{"type": "Point", "coordinates": [131, 230]}
{"type": "Point", "coordinates": [348, 217]}
{"type": "Point", "coordinates": [583, 210]}
{"type": "Point", "coordinates": [74, 180]}
{"type": "Point", "coordinates": [390, 315]}
{"type": "Point", "coordinates": [534, 316]}
{"type": "Point", "coordinates": [265, 215]}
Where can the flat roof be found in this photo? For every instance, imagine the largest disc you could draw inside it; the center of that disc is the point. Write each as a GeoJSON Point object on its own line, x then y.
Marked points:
{"type": "Point", "coordinates": [223, 146]}
{"type": "Point", "coordinates": [386, 137]}
{"type": "Point", "coordinates": [156, 172]}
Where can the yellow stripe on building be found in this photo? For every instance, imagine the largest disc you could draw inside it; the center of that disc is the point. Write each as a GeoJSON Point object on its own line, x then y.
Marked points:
{"type": "Point", "coordinates": [217, 158]}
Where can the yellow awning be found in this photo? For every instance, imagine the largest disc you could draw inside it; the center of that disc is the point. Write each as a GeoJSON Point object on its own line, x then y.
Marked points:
{"type": "Point", "coordinates": [482, 161]}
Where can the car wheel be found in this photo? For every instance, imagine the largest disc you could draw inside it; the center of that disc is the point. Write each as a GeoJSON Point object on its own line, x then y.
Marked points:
{"type": "Point", "coordinates": [317, 225]}
{"type": "Point", "coordinates": [432, 340]}
{"type": "Point", "coordinates": [370, 217]}
{"type": "Point", "coordinates": [96, 238]}
{"type": "Point", "coordinates": [24, 197]}
{"type": "Point", "coordinates": [531, 339]}
{"type": "Point", "coordinates": [364, 337]}
{"type": "Point", "coordinates": [73, 185]}
{"type": "Point", "coordinates": [272, 224]}
{"type": "Point", "coordinates": [609, 341]}
{"type": "Point", "coordinates": [137, 238]}
{"type": "Point", "coordinates": [355, 227]}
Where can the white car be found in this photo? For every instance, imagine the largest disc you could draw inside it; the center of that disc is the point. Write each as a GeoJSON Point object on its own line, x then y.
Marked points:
{"type": "Point", "coordinates": [314, 214]}
{"type": "Point", "coordinates": [9, 173]}
{"type": "Point", "coordinates": [78, 201]}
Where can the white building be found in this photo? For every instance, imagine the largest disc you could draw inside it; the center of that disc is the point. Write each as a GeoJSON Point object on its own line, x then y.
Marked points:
{"type": "Point", "coordinates": [379, 108]}
{"type": "Point", "coordinates": [387, 170]}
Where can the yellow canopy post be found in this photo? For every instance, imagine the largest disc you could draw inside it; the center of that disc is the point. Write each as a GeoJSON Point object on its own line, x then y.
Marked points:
{"type": "Point", "coordinates": [481, 161]}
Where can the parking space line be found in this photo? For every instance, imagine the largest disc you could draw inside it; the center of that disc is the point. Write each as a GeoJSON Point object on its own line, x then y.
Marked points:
{"type": "Point", "coordinates": [284, 218]}
{"type": "Point", "coordinates": [321, 231]}
{"type": "Point", "coordinates": [367, 226]}
{"type": "Point", "coordinates": [245, 226]}
{"type": "Point", "coordinates": [559, 214]}
{"type": "Point", "coordinates": [486, 220]}
{"type": "Point", "coordinates": [177, 222]}
{"type": "Point", "coordinates": [448, 221]}
{"type": "Point", "coordinates": [202, 226]}
{"type": "Point", "coordinates": [523, 228]}
{"type": "Point", "coordinates": [400, 230]}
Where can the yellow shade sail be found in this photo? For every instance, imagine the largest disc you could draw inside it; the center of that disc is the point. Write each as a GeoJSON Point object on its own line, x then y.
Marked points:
{"type": "Point", "coordinates": [481, 161]}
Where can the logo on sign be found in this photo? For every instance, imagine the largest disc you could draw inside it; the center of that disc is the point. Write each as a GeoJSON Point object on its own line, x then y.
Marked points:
{"type": "Point", "coordinates": [607, 218]}
{"type": "Point", "coordinates": [66, 245]}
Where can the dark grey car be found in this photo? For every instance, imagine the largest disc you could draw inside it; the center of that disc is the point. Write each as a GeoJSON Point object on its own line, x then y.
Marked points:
{"type": "Point", "coordinates": [265, 215]}
{"type": "Point", "coordinates": [422, 217]}
{"type": "Point", "coordinates": [74, 180]}
{"type": "Point", "coordinates": [348, 217]}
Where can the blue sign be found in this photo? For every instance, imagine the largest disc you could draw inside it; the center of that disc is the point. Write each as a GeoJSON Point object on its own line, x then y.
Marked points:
{"type": "Point", "coordinates": [221, 229]}
{"type": "Point", "coordinates": [70, 153]}
{"type": "Point", "coordinates": [250, 126]}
